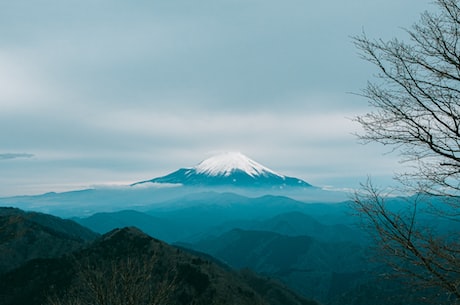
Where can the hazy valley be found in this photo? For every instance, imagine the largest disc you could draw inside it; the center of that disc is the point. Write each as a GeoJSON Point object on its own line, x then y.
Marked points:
{"type": "Point", "coordinates": [316, 248]}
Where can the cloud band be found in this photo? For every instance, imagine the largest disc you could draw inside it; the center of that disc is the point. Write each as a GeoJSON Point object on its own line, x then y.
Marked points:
{"type": "Point", "coordinates": [9, 156]}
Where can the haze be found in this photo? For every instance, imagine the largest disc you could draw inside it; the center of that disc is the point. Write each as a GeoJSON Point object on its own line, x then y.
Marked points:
{"type": "Point", "coordinates": [113, 92]}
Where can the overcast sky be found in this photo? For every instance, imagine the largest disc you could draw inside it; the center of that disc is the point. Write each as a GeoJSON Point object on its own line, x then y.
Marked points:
{"type": "Point", "coordinates": [112, 92]}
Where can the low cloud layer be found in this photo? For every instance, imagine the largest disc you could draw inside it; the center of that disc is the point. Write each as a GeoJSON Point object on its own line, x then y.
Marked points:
{"type": "Point", "coordinates": [9, 156]}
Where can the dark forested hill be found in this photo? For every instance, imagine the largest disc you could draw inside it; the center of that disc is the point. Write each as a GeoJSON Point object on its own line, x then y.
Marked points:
{"type": "Point", "coordinates": [126, 266]}
{"type": "Point", "coordinates": [28, 235]}
{"type": "Point", "coordinates": [315, 268]}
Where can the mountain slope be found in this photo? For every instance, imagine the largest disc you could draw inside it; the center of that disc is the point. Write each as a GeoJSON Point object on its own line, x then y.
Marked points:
{"type": "Point", "coordinates": [166, 229]}
{"type": "Point", "coordinates": [27, 235]}
{"type": "Point", "coordinates": [125, 266]}
{"type": "Point", "coordinates": [318, 269]}
{"type": "Point", "coordinates": [297, 223]}
{"type": "Point", "coordinates": [193, 215]}
{"type": "Point", "coordinates": [229, 169]}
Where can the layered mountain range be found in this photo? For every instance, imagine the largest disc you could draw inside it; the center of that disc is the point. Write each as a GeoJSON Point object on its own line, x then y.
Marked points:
{"type": "Point", "coordinates": [225, 173]}
{"type": "Point", "coordinates": [124, 266]}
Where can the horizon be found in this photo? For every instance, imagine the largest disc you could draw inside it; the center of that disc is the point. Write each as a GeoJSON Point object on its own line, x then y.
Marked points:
{"type": "Point", "coordinates": [113, 93]}
{"type": "Point", "coordinates": [159, 185]}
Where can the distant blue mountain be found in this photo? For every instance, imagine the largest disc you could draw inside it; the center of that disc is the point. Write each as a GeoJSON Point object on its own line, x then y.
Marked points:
{"type": "Point", "coordinates": [229, 169]}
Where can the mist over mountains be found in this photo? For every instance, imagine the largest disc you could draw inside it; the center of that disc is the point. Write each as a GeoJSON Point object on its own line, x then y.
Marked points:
{"type": "Point", "coordinates": [122, 266]}
{"type": "Point", "coordinates": [227, 210]}
{"type": "Point", "coordinates": [224, 173]}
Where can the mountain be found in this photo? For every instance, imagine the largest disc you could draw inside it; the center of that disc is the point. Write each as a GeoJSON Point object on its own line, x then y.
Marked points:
{"type": "Point", "coordinates": [322, 270]}
{"type": "Point", "coordinates": [229, 169]}
{"type": "Point", "coordinates": [126, 266]}
{"type": "Point", "coordinates": [27, 235]}
{"type": "Point", "coordinates": [166, 229]}
{"type": "Point", "coordinates": [89, 201]}
{"type": "Point", "coordinates": [199, 214]}
{"type": "Point", "coordinates": [226, 173]}
{"type": "Point", "coordinates": [298, 223]}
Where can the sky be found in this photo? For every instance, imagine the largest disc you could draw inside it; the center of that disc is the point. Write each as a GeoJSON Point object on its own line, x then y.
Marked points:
{"type": "Point", "coordinates": [99, 92]}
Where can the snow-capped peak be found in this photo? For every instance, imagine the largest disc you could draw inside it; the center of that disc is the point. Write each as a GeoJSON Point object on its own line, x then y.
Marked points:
{"type": "Point", "coordinates": [226, 163]}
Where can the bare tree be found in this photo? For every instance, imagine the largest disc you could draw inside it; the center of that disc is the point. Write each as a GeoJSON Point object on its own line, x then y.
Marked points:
{"type": "Point", "coordinates": [411, 244]}
{"type": "Point", "coordinates": [125, 281]}
{"type": "Point", "coordinates": [416, 110]}
{"type": "Point", "coordinates": [417, 97]}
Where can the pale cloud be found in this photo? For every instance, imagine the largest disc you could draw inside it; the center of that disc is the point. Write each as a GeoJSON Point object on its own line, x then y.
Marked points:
{"type": "Point", "coordinates": [105, 91]}
{"type": "Point", "coordinates": [10, 156]}
{"type": "Point", "coordinates": [21, 83]}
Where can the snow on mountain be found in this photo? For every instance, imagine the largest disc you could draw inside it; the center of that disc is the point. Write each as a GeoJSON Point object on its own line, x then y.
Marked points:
{"type": "Point", "coordinates": [228, 169]}
{"type": "Point", "coordinates": [226, 163]}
